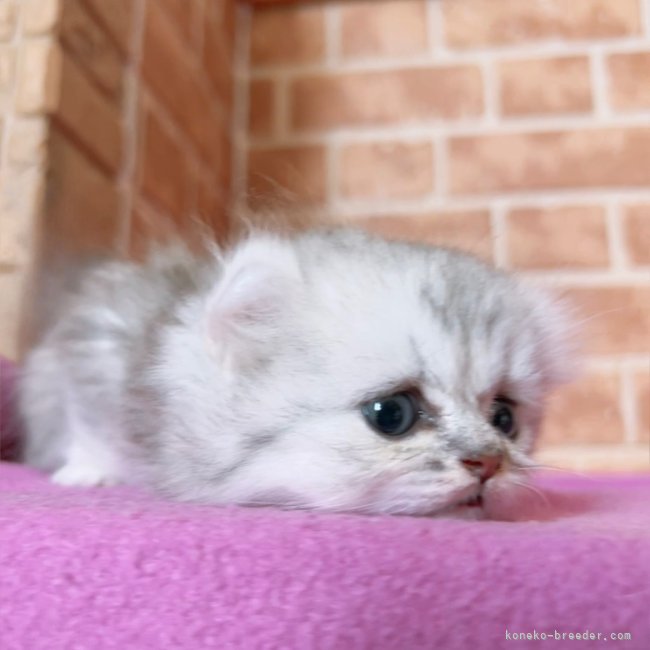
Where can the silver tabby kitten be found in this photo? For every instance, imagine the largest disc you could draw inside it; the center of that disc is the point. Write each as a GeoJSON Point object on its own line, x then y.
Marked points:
{"type": "Point", "coordinates": [329, 370]}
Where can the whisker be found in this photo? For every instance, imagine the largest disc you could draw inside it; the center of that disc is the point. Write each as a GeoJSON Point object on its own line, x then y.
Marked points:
{"type": "Point", "coordinates": [534, 490]}
{"type": "Point", "coordinates": [598, 314]}
{"type": "Point", "coordinates": [531, 465]}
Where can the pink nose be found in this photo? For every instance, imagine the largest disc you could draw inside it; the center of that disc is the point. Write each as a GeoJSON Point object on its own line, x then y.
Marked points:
{"type": "Point", "coordinates": [485, 467]}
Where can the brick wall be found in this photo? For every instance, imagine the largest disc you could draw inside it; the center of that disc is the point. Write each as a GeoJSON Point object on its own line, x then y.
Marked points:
{"type": "Point", "coordinates": [516, 130]}
{"type": "Point", "coordinates": [119, 113]}
{"type": "Point", "coordinates": [182, 166]}
{"type": "Point", "coordinates": [27, 80]}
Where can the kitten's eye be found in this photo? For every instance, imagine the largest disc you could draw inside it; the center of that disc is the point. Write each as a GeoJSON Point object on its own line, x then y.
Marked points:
{"type": "Point", "coordinates": [503, 417]}
{"type": "Point", "coordinates": [391, 416]}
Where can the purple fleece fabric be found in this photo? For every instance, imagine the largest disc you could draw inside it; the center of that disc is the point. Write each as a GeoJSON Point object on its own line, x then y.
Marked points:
{"type": "Point", "coordinates": [114, 568]}
{"type": "Point", "coordinates": [118, 568]}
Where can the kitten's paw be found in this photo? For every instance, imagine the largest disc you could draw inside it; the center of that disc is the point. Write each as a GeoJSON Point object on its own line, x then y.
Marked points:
{"type": "Point", "coordinates": [83, 475]}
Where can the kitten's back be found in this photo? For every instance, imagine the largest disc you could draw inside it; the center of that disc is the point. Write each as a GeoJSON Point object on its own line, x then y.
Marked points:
{"type": "Point", "coordinates": [78, 370]}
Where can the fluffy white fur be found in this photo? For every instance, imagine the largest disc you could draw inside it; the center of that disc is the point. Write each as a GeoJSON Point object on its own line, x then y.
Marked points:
{"type": "Point", "coordinates": [240, 380]}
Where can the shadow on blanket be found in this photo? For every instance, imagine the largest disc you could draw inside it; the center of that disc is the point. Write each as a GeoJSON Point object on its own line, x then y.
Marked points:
{"type": "Point", "coordinates": [118, 568]}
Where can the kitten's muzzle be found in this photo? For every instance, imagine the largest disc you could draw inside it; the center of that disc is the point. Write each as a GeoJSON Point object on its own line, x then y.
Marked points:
{"type": "Point", "coordinates": [483, 467]}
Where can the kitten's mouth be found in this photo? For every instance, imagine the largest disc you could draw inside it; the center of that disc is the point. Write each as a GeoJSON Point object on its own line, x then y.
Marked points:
{"type": "Point", "coordinates": [475, 501]}
{"type": "Point", "coordinates": [470, 507]}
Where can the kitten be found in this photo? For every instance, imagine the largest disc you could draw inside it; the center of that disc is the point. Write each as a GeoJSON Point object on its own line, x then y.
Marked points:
{"type": "Point", "coordinates": [330, 370]}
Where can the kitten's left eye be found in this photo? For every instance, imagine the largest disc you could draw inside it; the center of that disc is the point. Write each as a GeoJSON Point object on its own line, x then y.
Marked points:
{"type": "Point", "coordinates": [503, 417]}
{"type": "Point", "coordinates": [391, 416]}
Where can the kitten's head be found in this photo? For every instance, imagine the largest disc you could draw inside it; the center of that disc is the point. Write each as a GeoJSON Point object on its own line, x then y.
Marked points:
{"type": "Point", "coordinates": [361, 375]}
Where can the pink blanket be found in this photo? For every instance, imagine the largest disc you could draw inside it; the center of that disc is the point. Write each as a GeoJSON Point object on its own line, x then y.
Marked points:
{"type": "Point", "coordinates": [113, 568]}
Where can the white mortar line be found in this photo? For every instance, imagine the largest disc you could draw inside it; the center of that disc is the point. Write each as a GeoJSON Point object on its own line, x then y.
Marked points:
{"type": "Point", "coordinates": [560, 196]}
{"type": "Point", "coordinates": [435, 201]}
{"type": "Point", "coordinates": [628, 404]}
{"type": "Point", "coordinates": [599, 85]}
{"type": "Point", "coordinates": [645, 16]}
{"type": "Point", "coordinates": [440, 161]}
{"type": "Point", "coordinates": [634, 362]}
{"type": "Point", "coordinates": [513, 199]}
{"type": "Point", "coordinates": [616, 246]}
{"type": "Point", "coordinates": [480, 127]}
{"type": "Point", "coordinates": [446, 57]}
{"type": "Point", "coordinates": [332, 158]}
{"type": "Point", "coordinates": [333, 37]}
{"type": "Point", "coordinates": [413, 208]}
{"type": "Point", "coordinates": [590, 278]}
{"type": "Point", "coordinates": [499, 234]}
{"type": "Point", "coordinates": [240, 109]}
{"type": "Point", "coordinates": [491, 92]}
{"type": "Point", "coordinates": [130, 111]}
{"type": "Point", "coordinates": [435, 28]}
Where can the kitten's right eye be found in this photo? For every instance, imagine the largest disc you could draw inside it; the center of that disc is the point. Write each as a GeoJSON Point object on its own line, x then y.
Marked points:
{"type": "Point", "coordinates": [391, 416]}
{"type": "Point", "coordinates": [503, 417]}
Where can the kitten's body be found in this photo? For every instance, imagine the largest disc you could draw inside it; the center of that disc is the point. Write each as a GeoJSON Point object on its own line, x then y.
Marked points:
{"type": "Point", "coordinates": [241, 380]}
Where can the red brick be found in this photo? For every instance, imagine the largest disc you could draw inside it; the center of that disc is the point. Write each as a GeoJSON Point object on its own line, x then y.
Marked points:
{"type": "Point", "coordinates": [557, 237]}
{"type": "Point", "coordinates": [386, 169]}
{"type": "Point", "coordinates": [397, 96]}
{"type": "Point", "coordinates": [261, 99]}
{"type": "Point", "coordinates": [284, 35]}
{"type": "Point", "coordinates": [164, 168]}
{"type": "Point", "coordinates": [629, 80]}
{"type": "Point", "coordinates": [391, 28]}
{"type": "Point", "coordinates": [642, 398]}
{"type": "Point", "coordinates": [480, 23]}
{"type": "Point", "coordinates": [537, 161]}
{"type": "Point", "coordinates": [223, 15]}
{"type": "Point", "coordinates": [90, 116]}
{"type": "Point", "coordinates": [167, 68]}
{"type": "Point", "coordinates": [293, 173]}
{"type": "Point", "coordinates": [212, 209]}
{"type": "Point", "coordinates": [117, 16]}
{"type": "Point", "coordinates": [545, 86]}
{"type": "Point", "coordinates": [223, 171]}
{"type": "Point", "coordinates": [9, 12]}
{"type": "Point", "coordinates": [588, 411]}
{"type": "Point", "coordinates": [609, 458]}
{"type": "Point", "coordinates": [7, 74]}
{"type": "Point", "coordinates": [227, 17]}
{"type": "Point", "coordinates": [612, 320]}
{"type": "Point", "coordinates": [82, 202]}
{"type": "Point", "coordinates": [87, 42]}
{"type": "Point", "coordinates": [218, 52]}
{"type": "Point", "coordinates": [149, 228]}
{"type": "Point", "coordinates": [636, 223]}
{"type": "Point", "coordinates": [183, 15]}
{"type": "Point", "coordinates": [143, 230]}
{"type": "Point", "coordinates": [467, 231]}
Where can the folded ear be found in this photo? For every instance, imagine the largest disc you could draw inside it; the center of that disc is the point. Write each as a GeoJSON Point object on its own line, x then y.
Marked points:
{"type": "Point", "coordinates": [247, 309]}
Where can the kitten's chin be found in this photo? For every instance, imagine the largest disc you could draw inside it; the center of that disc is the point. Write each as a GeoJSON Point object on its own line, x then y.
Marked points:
{"type": "Point", "coordinates": [504, 499]}
{"type": "Point", "coordinates": [475, 513]}
{"type": "Point", "coordinates": [497, 499]}
{"type": "Point", "coordinates": [472, 508]}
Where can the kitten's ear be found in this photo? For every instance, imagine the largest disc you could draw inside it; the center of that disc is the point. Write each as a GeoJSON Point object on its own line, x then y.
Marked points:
{"type": "Point", "coordinates": [249, 304]}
